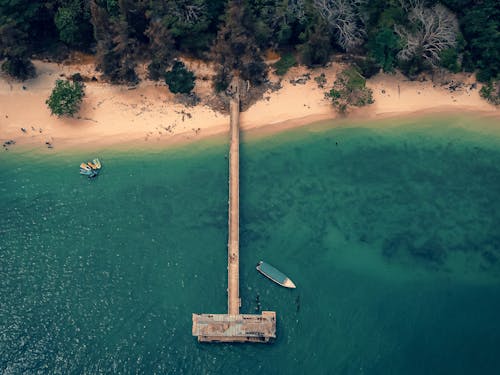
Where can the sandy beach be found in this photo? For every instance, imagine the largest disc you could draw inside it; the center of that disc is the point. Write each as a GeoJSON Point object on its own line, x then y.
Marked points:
{"type": "Point", "coordinates": [150, 114]}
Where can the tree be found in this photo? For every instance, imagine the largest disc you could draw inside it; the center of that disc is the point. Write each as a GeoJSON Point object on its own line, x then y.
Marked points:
{"type": "Point", "coordinates": [383, 47]}
{"type": "Point", "coordinates": [16, 34]}
{"type": "Point", "coordinates": [179, 79]}
{"type": "Point", "coordinates": [431, 31]}
{"type": "Point", "coordinates": [349, 89]}
{"type": "Point", "coordinates": [17, 63]}
{"type": "Point", "coordinates": [481, 30]}
{"type": "Point", "coordinates": [346, 18]}
{"type": "Point", "coordinates": [448, 59]}
{"type": "Point", "coordinates": [161, 48]}
{"type": "Point", "coordinates": [317, 47]}
{"type": "Point", "coordinates": [235, 47]}
{"type": "Point", "coordinates": [116, 46]}
{"type": "Point", "coordinates": [278, 22]}
{"type": "Point", "coordinates": [187, 22]}
{"type": "Point", "coordinates": [66, 98]}
{"type": "Point", "coordinates": [72, 20]}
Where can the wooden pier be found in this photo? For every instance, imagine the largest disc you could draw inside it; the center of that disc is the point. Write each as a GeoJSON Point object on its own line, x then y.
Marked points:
{"type": "Point", "coordinates": [233, 326]}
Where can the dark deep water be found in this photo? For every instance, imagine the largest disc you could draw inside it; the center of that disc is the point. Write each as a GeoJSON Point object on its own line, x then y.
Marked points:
{"type": "Point", "coordinates": [391, 233]}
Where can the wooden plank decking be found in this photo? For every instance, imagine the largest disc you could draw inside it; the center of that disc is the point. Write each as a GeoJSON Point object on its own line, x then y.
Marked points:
{"type": "Point", "coordinates": [233, 326]}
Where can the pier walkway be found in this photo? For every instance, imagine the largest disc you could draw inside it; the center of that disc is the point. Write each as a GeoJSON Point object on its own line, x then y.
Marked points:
{"type": "Point", "coordinates": [233, 326]}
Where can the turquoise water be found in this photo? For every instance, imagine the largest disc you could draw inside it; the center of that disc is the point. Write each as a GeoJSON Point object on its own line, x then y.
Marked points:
{"type": "Point", "coordinates": [390, 231]}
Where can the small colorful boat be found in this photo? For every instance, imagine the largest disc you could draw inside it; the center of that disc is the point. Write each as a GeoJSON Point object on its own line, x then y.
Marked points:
{"type": "Point", "coordinates": [85, 167]}
{"type": "Point", "coordinates": [277, 276]}
{"type": "Point", "coordinates": [91, 169]}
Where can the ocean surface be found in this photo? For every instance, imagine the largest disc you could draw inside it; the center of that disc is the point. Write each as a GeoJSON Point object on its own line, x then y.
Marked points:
{"type": "Point", "coordinates": [391, 231]}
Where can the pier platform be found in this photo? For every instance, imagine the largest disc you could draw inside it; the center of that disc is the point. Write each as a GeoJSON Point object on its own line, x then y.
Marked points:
{"type": "Point", "coordinates": [235, 328]}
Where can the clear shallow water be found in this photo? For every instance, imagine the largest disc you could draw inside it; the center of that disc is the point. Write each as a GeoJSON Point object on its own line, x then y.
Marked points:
{"type": "Point", "coordinates": [391, 234]}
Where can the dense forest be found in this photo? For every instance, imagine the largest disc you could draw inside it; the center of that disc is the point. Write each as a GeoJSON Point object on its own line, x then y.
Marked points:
{"type": "Point", "coordinates": [409, 35]}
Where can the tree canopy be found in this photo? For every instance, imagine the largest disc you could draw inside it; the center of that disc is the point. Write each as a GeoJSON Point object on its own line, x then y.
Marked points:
{"type": "Point", "coordinates": [412, 35]}
{"type": "Point", "coordinates": [66, 98]}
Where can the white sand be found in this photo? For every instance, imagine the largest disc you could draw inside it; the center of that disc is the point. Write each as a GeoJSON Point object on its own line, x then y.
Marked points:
{"type": "Point", "coordinates": [113, 114]}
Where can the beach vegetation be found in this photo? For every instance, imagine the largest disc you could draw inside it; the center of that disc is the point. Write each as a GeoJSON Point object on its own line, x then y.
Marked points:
{"type": "Point", "coordinates": [449, 60]}
{"type": "Point", "coordinates": [321, 80]}
{"type": "Point", "coordinates": [19, 68]}
{"type": "Point", "coordinates": [235, 50]}
{"type": "Point", "coordinates": [284, 64]}
{"type": "Point", "coordinates": [161, 48]}
{"type": "Point", "coordinates": [349, 89]}
{"type": "Point", "coordinates": [383, 47]}
{"type": "Point", "coordinates": [491, 92]}
{"type": "Point", "coordinates": [66, 98]}
{"type": "Point", "coordinates": [345, 20]}
{"type": "Point", "coordinates": [429, 32]}
{"type": "Point", "coordinates": [179, 79]}
{"type": "Point", "coordinates": [317, 47]}
{"type": "Point", "coordinates": [410, 35]}
{"type": "Point", "coordinates": [367, 66]}
{"type": "Point", "coordinates": [480, 22]}
{"type": "Point", "coordinates": [72, 21]}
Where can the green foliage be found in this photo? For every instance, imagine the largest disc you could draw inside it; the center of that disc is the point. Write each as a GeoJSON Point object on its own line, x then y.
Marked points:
{"type": "Point", "coordinates": [161, 48]}
{"type": "Point", "coordinates": [320, 80]}
{"type": "Point", "coordinates": [481, 30]}
{"type": "Point", "coordinates": [278, 23]}
{"type": "Point", "coordinates": [349, 89]}
{"type": "Point", "coordinates": [66, 98]}
{"type": "Point", "coordinates": [285, 62]}
{"type": "Point", "coordinates": [72, 20]}
{"type": "Point", "coordinates": [19, 68]}
{"type": "Point", "coordinates": [179, 79]}
{"type": "Point", "coordinates": [317, 47]}
{"type": "Point", "coordinates": [383, 47]}
{"type": "Point", "coordinates": [413, 67]}
{"type": "Point", "coordinates": [65, 20]}
{"type": "Point", "coordinates": [367, 66]}
{"type": "Point", "coordinates": [491, 92]}
{"type": "Point", "coordinates": [449, 60]}
{"type": "Point", "coordinates": [221, 81]}
{"type": "Point", "coordinates": [116, 47]}
{"type": "Point", "coordinates": [235, 48]}
{"type": "Point", "coordinates": [128, 31]}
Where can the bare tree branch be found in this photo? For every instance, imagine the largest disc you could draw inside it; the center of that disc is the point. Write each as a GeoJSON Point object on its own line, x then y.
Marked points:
{"type": "Point", "coordinates": [188, 11]}
{"type": "Point", "coordinates": [346, 18]}
{"type": "Point", "coordinates": [435, 30]}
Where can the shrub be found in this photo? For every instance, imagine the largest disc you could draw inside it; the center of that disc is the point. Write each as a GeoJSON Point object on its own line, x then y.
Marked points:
{"type": "Point", "coordinates": [368, 67]}
{"type": "Point", "coordinates": [179, 79]}
{"type": "Point", "coordinates": [20, 68]}
{"type": "Point", "coordinates": [449, 60]}
{"type": "Point", "coordinates": [285, 63]}
{"type": "Point", "coordinates": [66, 98]}
{"type": "Point", "coordinates": [77, 77]}
{"type": "Point", "coordinates": [491, 92]}
{"type": "Point", "coordinates": [383, 47]}
{"type": "Point", "coordinates": [221, 80]}
{"type": "Point", "coordinates": [321, 80]}
{"type": "Point", "coordinates": [349, 89]}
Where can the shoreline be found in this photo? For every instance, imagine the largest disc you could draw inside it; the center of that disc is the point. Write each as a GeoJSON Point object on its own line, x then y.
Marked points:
{"type": "Point", "coordinates": [148, 115]}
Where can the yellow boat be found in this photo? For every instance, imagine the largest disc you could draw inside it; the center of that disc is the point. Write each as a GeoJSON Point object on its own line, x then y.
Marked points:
{"type": "Point", "coordinates": [97, 163]}
{"type": "Point", "coordinates": [85, 166]}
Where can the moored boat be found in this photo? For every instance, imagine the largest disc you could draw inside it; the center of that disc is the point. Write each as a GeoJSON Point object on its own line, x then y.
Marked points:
{"type": "Point", "coordinates": [85, 167]}
{"type": "Point", "coordinates": [275, 275]}
{"type": "Point", "coordinates": [90, 169]}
